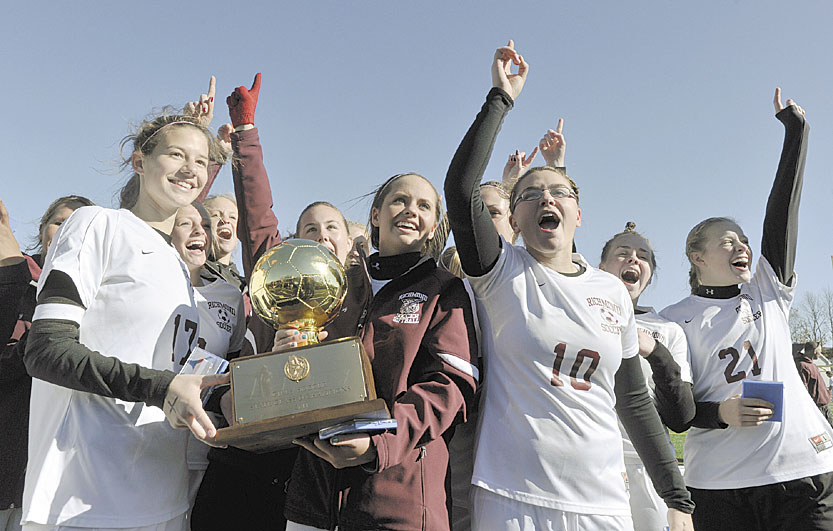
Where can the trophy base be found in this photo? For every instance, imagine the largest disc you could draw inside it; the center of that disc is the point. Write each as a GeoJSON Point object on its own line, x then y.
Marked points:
{"type": "Point", "coordinates": [278, 433]}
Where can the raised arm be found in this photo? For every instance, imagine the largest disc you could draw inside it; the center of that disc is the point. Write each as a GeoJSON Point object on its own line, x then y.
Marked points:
{"type": "Point", "coordinates": [257, 228]}
{"type": "Point", "coordinates": [553, 146]}
{"type": "Point", "coordinates": [477, 240]}
{"type": "Point", "coordinates": [516, 166]}
{"type": "Point", "coordinates": [780, 233]}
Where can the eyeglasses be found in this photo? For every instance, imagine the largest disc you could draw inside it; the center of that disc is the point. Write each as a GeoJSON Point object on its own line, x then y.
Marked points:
{"type": "Point", "coordinates": [534, 194]}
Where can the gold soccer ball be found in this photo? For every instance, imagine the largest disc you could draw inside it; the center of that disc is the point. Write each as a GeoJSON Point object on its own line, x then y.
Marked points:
{"type": "Point", "coordinates": [300, 284]}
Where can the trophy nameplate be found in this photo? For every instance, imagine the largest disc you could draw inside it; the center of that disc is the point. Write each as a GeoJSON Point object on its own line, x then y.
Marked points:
{"type": "Point", "coordinates": [282, 396]}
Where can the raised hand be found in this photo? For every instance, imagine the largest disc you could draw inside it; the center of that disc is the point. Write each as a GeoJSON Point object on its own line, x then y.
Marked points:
{"type": "Point", "coordinates": [224, 137]}
{"type": "Point", "coordinates": [242, 104]}
{"type": "Point", "coordinates": [553, 147]}
{"type": "Point", "coordinates": [502, 76]}
{"type": "Point", "coordinates": [203, 110]}
{"type": "Point", "coordinates": [743, 412]}
{"type": "Point", "coordinates": [780, 107]}
{"type": "Point", "coordinates": [9, 248]}
{"type": "Point", "coordinates": [517, 164]}
{"type": "Point", "coordinates": [183, 405]}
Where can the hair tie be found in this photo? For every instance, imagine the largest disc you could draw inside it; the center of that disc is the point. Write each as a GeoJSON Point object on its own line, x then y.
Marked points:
{"type": "Point", "coordinates": [163, 127]}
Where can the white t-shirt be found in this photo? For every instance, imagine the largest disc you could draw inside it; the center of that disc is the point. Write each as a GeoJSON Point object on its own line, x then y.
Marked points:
{"type": "Point", "coordinates": [552, 344]}
{"type": "Point", "coordinates": [103, 462]}
{"type": "Point", "coordinates": [222, 329]}
{"type": "Point", "coordinates": [672, 337]}
{"type": "Point", "coordinates": [748, 337]}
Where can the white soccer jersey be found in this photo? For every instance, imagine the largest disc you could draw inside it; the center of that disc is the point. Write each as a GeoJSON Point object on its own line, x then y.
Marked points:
{"type": "Point", "coordinates": [103, 462]}
{"type": "Point", "coordinates": [552, 344]}
{"type": "Point", "coordinates": [748, 337]}
{"type": "Point", "coordinates": [672, 337]}
{"type": "Point", "coordinates": [222, 329]}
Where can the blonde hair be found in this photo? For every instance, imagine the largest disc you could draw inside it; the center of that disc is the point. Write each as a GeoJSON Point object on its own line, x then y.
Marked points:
{"type": "Point", "coordinates": [450, 261]}
{"type": "Point", "coordinates": [145, 140]}
{"type": "Point", "coordinates": [433, 246]}
{"type": "Point", "coordinates": [694, 243]}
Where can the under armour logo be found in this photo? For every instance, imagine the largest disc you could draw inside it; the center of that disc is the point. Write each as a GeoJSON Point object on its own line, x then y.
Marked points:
{"type": "Point", "coordinates": [709, 291]}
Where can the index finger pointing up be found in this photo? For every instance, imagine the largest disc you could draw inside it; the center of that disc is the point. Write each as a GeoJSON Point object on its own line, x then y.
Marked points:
{"type": "Point", "coordinates": [560, 126]}
{"type": "Point", "coordinates": [212, 88]}
{"type": "Point", "coordinates": [256, 84]}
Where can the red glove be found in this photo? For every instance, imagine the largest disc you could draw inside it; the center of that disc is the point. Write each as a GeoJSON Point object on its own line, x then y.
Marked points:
{"type": "Point", "coordinates": [243, 102]}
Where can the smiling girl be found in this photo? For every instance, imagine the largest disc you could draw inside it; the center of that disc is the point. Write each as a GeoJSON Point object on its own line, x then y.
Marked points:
{"type": "Point", "coordinates": [743, 472]}
{"type": "Point", "coordinates": [115, 317]}
{"type": "Point", "coordinates": [559, 346]}
{"type": "Point", "coordinates": [416, 325]}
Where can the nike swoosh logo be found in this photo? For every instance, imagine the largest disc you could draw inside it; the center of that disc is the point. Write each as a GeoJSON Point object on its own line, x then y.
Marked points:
{"type": "Point", "coordinates": [542, 285]}
{"type": "Point", "coordinates": [146, 252]}
{"type": "Point", "coordinates": [688, 320]}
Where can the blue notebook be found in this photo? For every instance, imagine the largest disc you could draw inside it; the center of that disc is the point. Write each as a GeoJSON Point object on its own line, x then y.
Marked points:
{"type": "Point", "coordinates": [772, 392]}
{"type": "Point", "coordinates": [357, 426]}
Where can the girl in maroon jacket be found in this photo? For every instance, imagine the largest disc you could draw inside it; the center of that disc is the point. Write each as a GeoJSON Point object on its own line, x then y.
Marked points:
{"type": "Point", "coordinates": [416, 324]}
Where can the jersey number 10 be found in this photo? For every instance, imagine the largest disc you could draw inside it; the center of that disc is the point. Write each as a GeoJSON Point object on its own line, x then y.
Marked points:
{"type": "Point", "coordinates": [582, 385]}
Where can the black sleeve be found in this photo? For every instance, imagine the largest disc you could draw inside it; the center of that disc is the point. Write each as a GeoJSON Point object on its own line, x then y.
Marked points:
{"type": "Point", "coordinates": [648, 436]}
{"type": "Point", "coordinates": [478, 243]}
{"type": "Point", "coordinates": [674, 400]}
{"type": "Point", "coordinates": [14, 282]}
{"type": "Point", "coordinates": [780, 234]}
{"type": "Point", "coordinates": [706, 416]}
{"type": "Point", "coordinates": [54, 354]}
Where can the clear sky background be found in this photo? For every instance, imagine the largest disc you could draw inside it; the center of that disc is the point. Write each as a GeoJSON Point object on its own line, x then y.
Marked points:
{"type": "Point", "coordinates": [667, 105]}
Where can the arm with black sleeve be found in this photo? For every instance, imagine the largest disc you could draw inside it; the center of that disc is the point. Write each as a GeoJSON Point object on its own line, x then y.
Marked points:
{"type": "Point", "coordinates": [478, 242]}
{"type": "Point", "coordinates": [673, 396]}
{"type": "Point", "coordinates": [641, 421]}
{"type": "Point", "coordinates": [55, 354]}
{"type": "Point", "coordinates": [780, 232]}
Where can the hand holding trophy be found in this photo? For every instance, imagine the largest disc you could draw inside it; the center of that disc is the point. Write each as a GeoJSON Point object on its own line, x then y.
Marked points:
{"type": "Point", "coordinates": [281, 396]}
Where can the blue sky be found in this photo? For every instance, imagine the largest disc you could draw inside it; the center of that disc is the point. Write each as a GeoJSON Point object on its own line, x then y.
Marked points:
{"type": "Point", "coordinates": [667, 105]}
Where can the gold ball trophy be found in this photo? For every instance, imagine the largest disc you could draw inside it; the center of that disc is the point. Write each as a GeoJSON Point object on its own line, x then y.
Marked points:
{"type": "Point", "coordinates": [280, 396]}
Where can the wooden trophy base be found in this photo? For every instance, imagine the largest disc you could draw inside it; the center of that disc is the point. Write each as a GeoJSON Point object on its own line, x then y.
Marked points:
{"type": "Point", "coordinates": [276, 434]}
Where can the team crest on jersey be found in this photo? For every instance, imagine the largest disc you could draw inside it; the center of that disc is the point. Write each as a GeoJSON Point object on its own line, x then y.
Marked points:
{"type": "Point", "coordinates": [224, 314]}
{"type": "Point", "coordinates": [611, 314]}
{"type": "Point", "coordinates": [821, 442]}
{"type": "Point", "coordinates": [409, 312]}
{"type": "Point", "coordinates": [744, 309]}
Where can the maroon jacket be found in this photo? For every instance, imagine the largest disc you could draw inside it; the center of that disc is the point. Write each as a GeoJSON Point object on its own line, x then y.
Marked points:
{"type": "Point", "coordinates": [408, 330]}
{"type": "Point", "coordinates": [812, 379]}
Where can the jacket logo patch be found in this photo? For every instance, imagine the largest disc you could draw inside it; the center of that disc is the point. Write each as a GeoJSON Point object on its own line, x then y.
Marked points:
{"type": "Point", "coordinates": [409, 312]}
